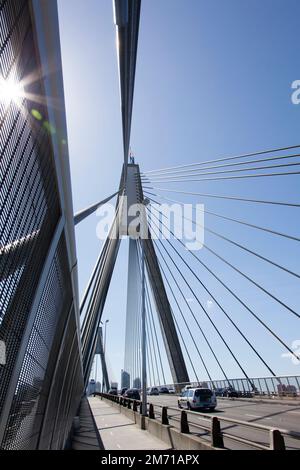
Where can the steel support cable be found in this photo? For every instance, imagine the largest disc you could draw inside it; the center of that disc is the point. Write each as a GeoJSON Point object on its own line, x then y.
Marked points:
{"type": "Point", "coordinates": [181, 172]}
{"type": "Point", "coordinates": [238, 271]}
{"type": "Point", "coordinates": [180, 333]}
{"type": "Point", "coordinates": [135, 350]}
{"type": "Point", "coordinates": [237, 221]}
{"type": "Point", "coordinates": [90, 328]}
{"type": "Point", "coordinates": [154, 329]}
{"type": "Point", "coordinates": [82, 215]}
{"type": "Point", "coordinates": [148, 324]}
{"type": "Point", "coordinates": [223, 178]}
{"type": "Point", "coordinates": [237, 298]}
{"type": "Point", "coordinates": [139, 255]}
{"type": "Point", "coordinates": [151, 338]}
{"type": "Point", "coordinates": [156, 337]}
{"type": "Point", "coordinates": [167, 326]}
{"type": "Point", "coordinates": [244, 305]}
{"type": "Point", "coordinates": [150, 380]}
{"type": "Point", "coordinates": [215, 196]}
{"type": "Point", "coordinates": [95, 272]}
{"type": "Point", "coordinates": [139, 339]}
{"type": "Point", "coordinates": [189, 330]}
{"type": "Point", "coordinates": [213, 173]}
{"type": "Point", "coordinates": [150, 355]}
{"type": "Point", "coordinates": [90, 311]}
{"type": "Point", "coordinates": [96, 268]}
{"type": "Point", "coordinates": [225, 159]}
{"type": "Point", "coordinates": [89, 334]}
{"type": "Point", "coordinates": [151, 324]}
{"type": "Point", "coordinates": [221, 308]}
{"type": "Point", "coordinates": [191, 311]}
{"type": "Point", "coordinates": [267, 260]}
{"type": "Point", "coordinates": [150, 345]}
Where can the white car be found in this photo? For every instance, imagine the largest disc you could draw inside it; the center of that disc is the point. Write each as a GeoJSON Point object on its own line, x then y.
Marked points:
{"type": "Point", "coordinates": [197, 399]}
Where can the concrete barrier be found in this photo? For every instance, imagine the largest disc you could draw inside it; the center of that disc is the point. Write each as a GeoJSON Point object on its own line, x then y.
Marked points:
{"type": "Point", "coordinates": [164, 432]}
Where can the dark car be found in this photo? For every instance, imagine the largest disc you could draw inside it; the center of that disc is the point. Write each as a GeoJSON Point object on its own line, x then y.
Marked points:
{"type": "Point", "coordinates": [132, 393]}
{"type": "Point", "coordinates": [163, 390]}
{"type": "Point", "coordinates": [228, 392]}
{"type": "Point", "coordinates": [112, 391]}
{"type": "Point", "coordinates": [219, 392]}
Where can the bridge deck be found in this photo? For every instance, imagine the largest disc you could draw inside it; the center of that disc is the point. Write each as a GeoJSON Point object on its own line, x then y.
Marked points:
{"type": "Point", "coordinates": [120, 433]}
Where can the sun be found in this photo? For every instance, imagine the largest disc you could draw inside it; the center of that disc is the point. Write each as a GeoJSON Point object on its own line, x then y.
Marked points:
{"type": "Point", "coordinates": [10, 91]}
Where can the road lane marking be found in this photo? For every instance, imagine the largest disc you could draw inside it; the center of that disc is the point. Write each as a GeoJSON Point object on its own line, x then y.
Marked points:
{"type": "Point", "coordinates": [253, 416]}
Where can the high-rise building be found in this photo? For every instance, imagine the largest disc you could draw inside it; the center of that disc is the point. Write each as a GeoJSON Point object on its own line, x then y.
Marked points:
{"type": "Point", "coordinates": [137, 383]}
{"type": "Point", "coordinates": [125, 379]}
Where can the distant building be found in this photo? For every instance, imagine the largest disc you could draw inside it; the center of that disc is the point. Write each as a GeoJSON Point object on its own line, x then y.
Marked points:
{"type": "Point", "coordinates": [137, 383]}
{"type": "Point", "coordinates": [91, 387]}
{"type": "Point", "coordinates": [125, 379]}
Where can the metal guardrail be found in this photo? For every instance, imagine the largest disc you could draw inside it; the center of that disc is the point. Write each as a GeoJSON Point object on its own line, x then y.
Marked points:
{"type": "Point", "coordinates": [273, 386]}
{"type": "Point", "coordinates": [276, 437]}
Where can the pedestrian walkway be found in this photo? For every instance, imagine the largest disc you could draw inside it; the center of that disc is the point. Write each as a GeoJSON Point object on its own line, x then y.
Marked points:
{"type": "Point", "coordinates": [86, 435]}
{"type": "Point", "coordinates": [118, 432]}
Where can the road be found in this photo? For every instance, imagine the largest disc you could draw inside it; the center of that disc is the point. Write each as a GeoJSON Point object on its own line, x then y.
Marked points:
{"type": "Point", "coordinates": [280, 416]}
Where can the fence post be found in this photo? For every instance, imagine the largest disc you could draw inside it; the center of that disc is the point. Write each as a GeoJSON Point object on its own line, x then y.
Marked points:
{"type": "Point", "coordinates": [164, 415]}
{"type": "Point", "coordinates": [216, 434]}
{"type": "Point", "coordinates": [141, 408]}
{"type": "Point", "coordinates": [134, 406]}
{"type": "Point", "coordinates": [151, 411]}
{"type": "Point", "coordinates": [129, 404]}
{"type": "Point", "coordinates": [184, 424]}
{"type": "Point", "coordinates": [276, 440]}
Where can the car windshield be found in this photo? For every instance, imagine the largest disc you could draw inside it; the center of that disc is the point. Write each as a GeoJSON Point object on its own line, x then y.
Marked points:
{"type": "Point", "coordinates": [203, 393]}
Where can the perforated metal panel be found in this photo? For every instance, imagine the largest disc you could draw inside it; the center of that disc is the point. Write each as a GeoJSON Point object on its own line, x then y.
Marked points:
{"type": "Point", "coordinates": [36, 377]}
{"type": "Point", "coordinates": [33, 411]}
{"type": "Point", "coordinates": [29, 204]}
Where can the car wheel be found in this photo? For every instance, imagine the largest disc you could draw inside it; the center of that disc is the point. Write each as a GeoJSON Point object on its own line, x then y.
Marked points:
{"type": "Point", "coordinates": [189, 406]}
{"type": "Point", "coordinates": [212, 408]}
{"type": "Point", "coordinates": [179, 405]}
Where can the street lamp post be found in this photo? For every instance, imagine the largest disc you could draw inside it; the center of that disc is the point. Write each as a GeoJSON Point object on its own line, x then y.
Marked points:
{"type": "Point", "coordinates": [144, 234]}
{"type": "Point", "coordinates": [104, 350]}
{"type": "Point", "coordinates": [144, 371]}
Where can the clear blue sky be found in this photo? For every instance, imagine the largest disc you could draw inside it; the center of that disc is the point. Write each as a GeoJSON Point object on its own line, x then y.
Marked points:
{"type": "Point", "coordinates": [213, 79]}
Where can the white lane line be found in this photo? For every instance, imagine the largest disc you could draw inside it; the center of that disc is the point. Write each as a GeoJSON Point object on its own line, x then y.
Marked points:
{"type": "Point", "coordinates": [253, 416]}
{"type": "Point", "coordinates": [118, 446]}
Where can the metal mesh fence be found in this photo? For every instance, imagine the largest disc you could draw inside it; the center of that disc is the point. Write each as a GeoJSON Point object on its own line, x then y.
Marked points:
{"type": "Point", "coordinates": [29, 214]}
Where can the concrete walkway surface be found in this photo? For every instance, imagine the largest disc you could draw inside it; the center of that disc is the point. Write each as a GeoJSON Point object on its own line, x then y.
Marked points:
{"type": "Point", "coordinates": [86, 435]}
{"type": "Point", "coordinates": [118, 432]}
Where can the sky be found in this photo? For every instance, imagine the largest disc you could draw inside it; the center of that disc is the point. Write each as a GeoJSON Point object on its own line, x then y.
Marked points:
{"type": "Point", "coordinates": [213, 79]}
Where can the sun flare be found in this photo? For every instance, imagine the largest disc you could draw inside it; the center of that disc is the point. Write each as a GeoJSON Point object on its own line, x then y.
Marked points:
{"type": "Point", "coordinates": [11, 91]}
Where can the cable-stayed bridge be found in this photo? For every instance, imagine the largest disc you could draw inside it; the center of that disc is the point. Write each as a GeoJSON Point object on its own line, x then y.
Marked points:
{"type": "Point", "coordinates": [193, 315]}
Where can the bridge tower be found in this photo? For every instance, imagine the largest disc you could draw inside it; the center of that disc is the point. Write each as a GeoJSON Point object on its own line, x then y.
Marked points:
{"type": "Point", "coordinates": [134, 194]}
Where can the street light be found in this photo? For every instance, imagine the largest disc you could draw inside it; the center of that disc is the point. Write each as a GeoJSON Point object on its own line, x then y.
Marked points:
{"type": "Point", "coordinates": [144, 339]}
{"type": "Point", "coordinates": [105, 336]}
{"type": "Point", "coordinates": [104, 349]}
